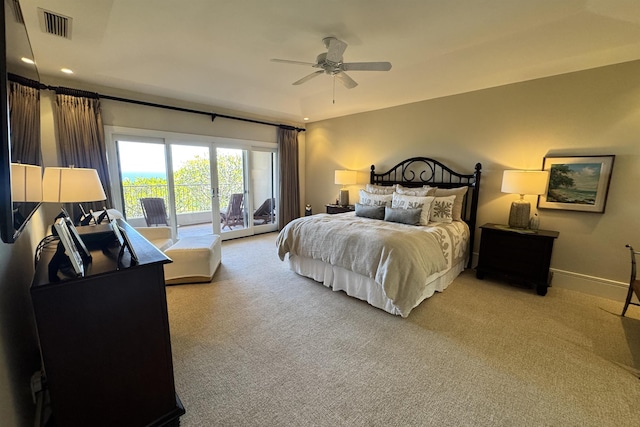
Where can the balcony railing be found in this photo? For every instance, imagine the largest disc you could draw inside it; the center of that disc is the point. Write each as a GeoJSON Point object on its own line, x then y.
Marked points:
{"type": "Point", "coordinates": [189, 198]}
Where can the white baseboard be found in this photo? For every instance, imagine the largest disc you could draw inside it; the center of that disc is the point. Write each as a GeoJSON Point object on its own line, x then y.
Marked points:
{"type": "Point", "coordinates": [589, 284]}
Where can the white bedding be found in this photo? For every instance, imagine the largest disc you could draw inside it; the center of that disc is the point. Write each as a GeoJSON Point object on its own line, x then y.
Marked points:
{"type": "Point", "coordinates": [392, 266]}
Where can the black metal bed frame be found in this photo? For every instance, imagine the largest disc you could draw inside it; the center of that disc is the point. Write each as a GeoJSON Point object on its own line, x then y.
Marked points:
{"type": "Point", "coordinates": [419, 171]}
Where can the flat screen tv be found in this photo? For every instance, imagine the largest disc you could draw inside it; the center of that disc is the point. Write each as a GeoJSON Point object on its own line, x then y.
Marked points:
{"type": "Point", "coordinates": [14, 46]}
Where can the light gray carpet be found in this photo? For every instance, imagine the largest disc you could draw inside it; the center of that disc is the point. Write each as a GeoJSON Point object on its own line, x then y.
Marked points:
{"type": "Point", "coordinates": [261, 346]}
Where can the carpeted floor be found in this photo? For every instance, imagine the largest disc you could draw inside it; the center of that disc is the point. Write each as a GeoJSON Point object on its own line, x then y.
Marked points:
{"type": "Point", "coordinates": [261, 346]}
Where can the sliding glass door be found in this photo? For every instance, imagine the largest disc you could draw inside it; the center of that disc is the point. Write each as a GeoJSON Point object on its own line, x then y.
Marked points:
{"type": "Point", "coordinates": [232, 190]}
{"type": "Point", "coordinates": [247, 190]}
{"type": "Point", "coordinates": [207, 187]}
{"type": "Point", "coordinates": [143, 174]}
{"type": "Point", "coordinates": [263, 181]}
{"type": "Point", "coordinates": [190, 179]}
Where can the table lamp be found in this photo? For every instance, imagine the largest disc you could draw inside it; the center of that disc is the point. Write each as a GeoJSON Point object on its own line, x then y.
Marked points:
{"type": "Point", "coordinates": [523, 182]}
{"type": "Point", "coordinates": [26, 183]}
{"type": "Point", "coordinates": [71, 185]}
{"type": "Point", "coordinates": [344, 178]}
{"type": "Point", "coordinates": [26, 191]}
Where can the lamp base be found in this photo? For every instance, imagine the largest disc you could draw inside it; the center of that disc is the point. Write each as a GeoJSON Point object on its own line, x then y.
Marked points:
{"type": "Point", "coordinates": [519, 214]}
{"type": "Point", "coordinates": [344, 198]}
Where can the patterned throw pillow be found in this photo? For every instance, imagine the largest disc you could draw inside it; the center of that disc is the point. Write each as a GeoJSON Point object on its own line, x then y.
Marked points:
{"type": "Point", "coordinates": [414, 202]}
{"type": "Point", "coordinates": [442, 209]}
{"type": "Point", "coordinates": [370, 199]}
{"type": "Point", "coordinates": [380, 189]}
{"type": "Point", "coordinates": [457, 206]}
{"type": "Point", "coordinates": [403, 216]}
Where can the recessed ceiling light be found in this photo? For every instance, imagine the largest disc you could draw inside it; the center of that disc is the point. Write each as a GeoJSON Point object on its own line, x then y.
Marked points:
{"type": "Point", "coordinates": [66, 71]}
{"type": "Point", "coordinates": [305, 119]}
{"type": "Point", "coordinates": [28, 60]}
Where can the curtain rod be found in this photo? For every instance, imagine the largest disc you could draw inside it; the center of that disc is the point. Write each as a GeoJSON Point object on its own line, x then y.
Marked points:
{"type": "Point", "coordinates": [76, 92]}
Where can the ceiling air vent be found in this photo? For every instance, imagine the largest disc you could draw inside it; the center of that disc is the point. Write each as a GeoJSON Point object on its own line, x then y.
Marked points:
{"type": "Point", "coordinates": [54, 23]}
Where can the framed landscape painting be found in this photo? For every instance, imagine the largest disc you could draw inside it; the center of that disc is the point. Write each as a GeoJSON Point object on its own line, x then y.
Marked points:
{"type": "Point", "coordinates": [577, 183]}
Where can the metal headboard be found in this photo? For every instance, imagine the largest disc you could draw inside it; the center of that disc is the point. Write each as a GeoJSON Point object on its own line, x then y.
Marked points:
{"type": "Point", "coordinates": [419, 171]}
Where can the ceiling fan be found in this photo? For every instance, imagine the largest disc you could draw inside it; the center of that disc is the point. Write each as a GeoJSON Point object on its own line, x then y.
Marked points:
{"type": "Point", "coordinates": [330, 63]}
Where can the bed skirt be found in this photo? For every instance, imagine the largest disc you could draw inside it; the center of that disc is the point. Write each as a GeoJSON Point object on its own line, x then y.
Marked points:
{"type": "Point", "coordinates": [365, 288]}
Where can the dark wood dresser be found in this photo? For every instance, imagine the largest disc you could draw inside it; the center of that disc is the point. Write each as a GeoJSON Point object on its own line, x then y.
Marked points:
{"type": "Point", "coordinates": [105, 342]}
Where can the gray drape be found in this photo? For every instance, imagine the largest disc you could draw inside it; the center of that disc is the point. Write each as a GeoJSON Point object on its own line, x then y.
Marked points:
{"type": "Point", "coordinates": [289, 200]}
{"type": "Point", "coordinates": [24, 105]}
{"type": "Point", "coordinates": [81, 138]}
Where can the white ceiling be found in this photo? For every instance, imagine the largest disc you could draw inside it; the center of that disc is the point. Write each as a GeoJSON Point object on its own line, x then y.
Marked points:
{"type": "Point", "coordinates": [217, 52]}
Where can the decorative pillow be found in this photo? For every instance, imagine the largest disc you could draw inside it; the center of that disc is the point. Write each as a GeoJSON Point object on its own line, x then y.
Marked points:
{"type": "Point", "coordinates": [380, 189]}
{"type": "Point", "coordinates": [442, 209]}
{"type": "Point", "coordinates": [373, 212]}
{"type": "Point", "coordinates": [457, 205]}
{"type": "Point", "coordinates": [370, 199]}
{"type": "Point", "coordinates": [408, 191]}
{"type": "Point", "coordinates": [403, 216]}
{"type": "Point", "coordinates": [414, 202]}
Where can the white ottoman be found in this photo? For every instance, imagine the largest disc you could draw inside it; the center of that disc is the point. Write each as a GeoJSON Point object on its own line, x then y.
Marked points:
{"type": "Point", "coordinates": [195, 259]}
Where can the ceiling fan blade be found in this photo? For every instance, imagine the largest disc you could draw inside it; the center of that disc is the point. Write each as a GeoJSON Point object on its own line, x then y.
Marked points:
{"type": "Point", "coordinates": [366, 66]}
{"type": "Point", "coordinates": [286, 61]}
{"type": "Point", "coordinates": [347, 81]}
{"type": "Point", "coordinates": [336, 49]}
{"type": "Point", "coordinates": [309, 77]}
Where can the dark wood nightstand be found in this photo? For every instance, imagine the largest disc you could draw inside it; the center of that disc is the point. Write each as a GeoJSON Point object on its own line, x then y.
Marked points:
{"type": "Point", "coordinates": [520, 255]}
{"type": "Point", "coordinates": [336, 209]}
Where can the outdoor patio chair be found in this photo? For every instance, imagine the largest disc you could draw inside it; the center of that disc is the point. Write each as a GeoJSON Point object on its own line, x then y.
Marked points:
{"type": "Point", "coordinates": [234, 214]}
{"type": "Point", "coordinates": [154, 210]}
{"type": "Point", "coordinates": [265, 214]}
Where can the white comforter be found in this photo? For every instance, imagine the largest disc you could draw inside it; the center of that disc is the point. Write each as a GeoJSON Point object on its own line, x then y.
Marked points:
{"type": "Point", "coordinates": [398, 257]}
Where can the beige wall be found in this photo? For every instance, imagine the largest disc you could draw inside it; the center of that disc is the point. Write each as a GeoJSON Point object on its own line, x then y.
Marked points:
{"type": "Point", "coordinates": [19, 355]}
{"type": "Point", "coordinates": [511, 127]}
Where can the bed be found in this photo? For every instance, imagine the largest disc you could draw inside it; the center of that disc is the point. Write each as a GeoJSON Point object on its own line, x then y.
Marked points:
{"type": "Point", "coordinates": [422, 242]}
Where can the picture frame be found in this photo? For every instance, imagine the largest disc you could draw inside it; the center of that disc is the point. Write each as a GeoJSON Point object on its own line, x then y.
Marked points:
{"type": "Point", "coordinates": [577, 183]}
{"type": "Point", "coordinates": [124, 242]}
{"type": "Point", "coordinates": [129, 246]}
{"type": "Point", "coordinates": [69, 246]}
{"type": "Point", "coordinates": [85, 254]}
{"type": "Point", "coordinates": [116, 230]}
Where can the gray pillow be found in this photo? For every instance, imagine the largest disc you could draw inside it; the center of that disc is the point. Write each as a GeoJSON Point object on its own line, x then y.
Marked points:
{"type": "Point", "coordinates": [373, 212]}
{"type": "Point", "coordinates": [404, 216]}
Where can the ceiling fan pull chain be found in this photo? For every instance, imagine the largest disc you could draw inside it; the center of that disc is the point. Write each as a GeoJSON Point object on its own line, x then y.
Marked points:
{"type": "Point", "coordinates": [334, 89]}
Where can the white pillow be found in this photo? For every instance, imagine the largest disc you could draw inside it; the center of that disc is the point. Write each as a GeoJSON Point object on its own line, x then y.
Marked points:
{"type": "Point", "coordinates": [420, 191]}
{"type": "Point", "coordinates": [414, 202]}
{"type": "Point", "coordinates": [380, 189]}
{"type": "Point", "coordinates": [370, 199]}
{"type": "Point", "coordinates": [442, 209]}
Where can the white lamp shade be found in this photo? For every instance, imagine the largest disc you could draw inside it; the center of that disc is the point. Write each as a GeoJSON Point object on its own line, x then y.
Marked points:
{"type": "Point", "coordinates": [524, 182]}
{"type": "Point", "coordinates": [26, 183]}
{"type": "Point", "coordinates": [72, 185]}
{"type": "Point", "coordinates": [345, 177]}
